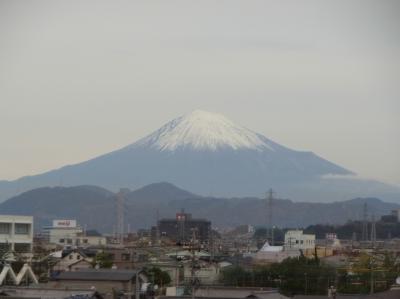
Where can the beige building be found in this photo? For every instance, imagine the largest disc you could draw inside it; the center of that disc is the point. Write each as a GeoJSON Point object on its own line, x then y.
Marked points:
{"type": "Point", "coordinates": [16, 233]}
{"type": "Point", "coordinates": [297, 240]}
{"type": "Point", "coordinates": [85, 240]}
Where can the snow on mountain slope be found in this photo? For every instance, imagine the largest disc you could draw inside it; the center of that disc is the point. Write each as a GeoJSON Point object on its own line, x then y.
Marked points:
{"type": "Point", "coordinates": [209, 154]}
{"type": "Point", "coordinates": [202, 130]}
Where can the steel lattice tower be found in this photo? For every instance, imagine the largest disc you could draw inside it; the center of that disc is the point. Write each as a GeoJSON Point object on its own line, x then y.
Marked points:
{"type": "Point", "coordinates": [270, 229]}
{"type": "Point", "coordinates": [120, 205]}
{"type": "Point", "coordinates": [373, 231]}
{"type": "Point", "coordinates": [364, 236]}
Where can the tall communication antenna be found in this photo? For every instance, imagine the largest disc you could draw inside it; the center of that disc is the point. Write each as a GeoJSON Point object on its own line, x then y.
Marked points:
{"type": "Point", "coordinates": [120, 203]}
{"type": "Point", "coordinates": [270, 228]}
{"type": "Point", "coordinates": [373, 231]}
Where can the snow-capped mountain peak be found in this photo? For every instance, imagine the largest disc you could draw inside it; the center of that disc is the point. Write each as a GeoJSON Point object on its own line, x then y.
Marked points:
{"type": "Point", "coordinates": [203, 130]}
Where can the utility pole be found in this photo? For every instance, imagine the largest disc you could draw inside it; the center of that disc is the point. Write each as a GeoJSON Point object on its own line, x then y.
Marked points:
{"type": "Point", "coordinates": [137, 284]}
{"type": "Point", "coordinates": [192, 272]}
{"type": "Point", "coordinates": [306, 283]}
{"type": "Point", "coordinates": [372, 276]}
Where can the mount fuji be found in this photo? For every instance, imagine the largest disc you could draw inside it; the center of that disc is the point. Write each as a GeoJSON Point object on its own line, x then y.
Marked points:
{"type": "Point", "coordinates": [209, 154]}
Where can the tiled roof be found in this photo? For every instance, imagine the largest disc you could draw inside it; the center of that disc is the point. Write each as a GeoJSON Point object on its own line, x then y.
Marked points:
{"type": "Point", "coordinates": [96, 275]}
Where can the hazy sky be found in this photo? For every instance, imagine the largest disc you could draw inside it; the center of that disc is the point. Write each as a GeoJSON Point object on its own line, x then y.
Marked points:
{"type": "Point", "coordinates": [82, 78]}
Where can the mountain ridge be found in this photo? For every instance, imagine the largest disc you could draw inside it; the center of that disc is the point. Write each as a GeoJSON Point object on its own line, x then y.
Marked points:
{"type": "Point", "coordinates": [95, 208]}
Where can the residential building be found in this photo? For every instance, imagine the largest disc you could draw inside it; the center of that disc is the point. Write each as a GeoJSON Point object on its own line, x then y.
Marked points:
{"type": "Point", "coordinates": [11, 292]}
{"type": "Point", "coordinates": [90, 238]}
{"type": "Point", "coordinates": [106, 282]}
{"type": "Point", "coordinates": [297, 240]}
{"type": "Point", "coordinates": [16, 233]}
{"type": "Point", "coordinates": [273, 254]}
{"type": "Point", "coordinates": [73, 261]}
{"type": "Point", "coordinates": [214, 292]}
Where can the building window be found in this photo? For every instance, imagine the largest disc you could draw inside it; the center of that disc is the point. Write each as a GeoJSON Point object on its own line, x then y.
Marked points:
{"type": "Point", "coordinates": [61, 240]}
{"type": "Point", "coordinates": [85, 241]}
{"type": "Point", "coordinates": [22, 228]}
{"type": "Point", "coordinates": [22, 248]}
{"type": "Point", "coordinates": [4, 228]}
{"type": "Point", "coordinates": [78, 257]}
{"type": "Point", "coordinates": [70, 257]}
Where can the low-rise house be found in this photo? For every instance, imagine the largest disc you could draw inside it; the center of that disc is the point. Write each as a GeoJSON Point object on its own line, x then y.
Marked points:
{"type": "Point", "coordinates": [90, 238]}
{"type": "Point", "coordinates": [274, 254]}
{"type": "Point", "coordinates": [391, 294]}
{"type": "Point", "coordinates": [230, 293]}
{"type": "Point", "coordinates": [47, 293]}
{"type": "Point", "coordinates": [206, 273]}
{"type": "Point", "coordinates": [72, 261]}
{"type": "Point", "coordinates": [122, 258]}
{"type": "Point", "coordinates": [107, 282]}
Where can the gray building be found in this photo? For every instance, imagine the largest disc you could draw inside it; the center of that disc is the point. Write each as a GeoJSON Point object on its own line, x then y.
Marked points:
{"type": "Point", "coordinates": [105, 281]}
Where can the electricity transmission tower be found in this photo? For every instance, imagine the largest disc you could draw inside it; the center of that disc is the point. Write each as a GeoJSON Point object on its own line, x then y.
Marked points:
{"type": "Point", "coordinates": [120, 204]}
{"type": "Point", "coordinates": [364, 236]}
{"type": "Point", "coordinates": [373, 231]}
{"type": "Point", "coordinates": [270, 228]}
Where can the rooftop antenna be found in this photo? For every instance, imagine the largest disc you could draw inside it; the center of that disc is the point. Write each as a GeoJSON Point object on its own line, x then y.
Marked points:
{"type": "Point", "coordinates": [364, 236]}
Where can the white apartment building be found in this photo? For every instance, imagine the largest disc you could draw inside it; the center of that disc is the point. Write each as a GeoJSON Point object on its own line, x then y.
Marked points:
{"type": "Point", "coordinates": [16, 233]}
{"type": "Point", "coordinates": [63, 232]}
{"type": "Point", "coordinates": [297, 240]}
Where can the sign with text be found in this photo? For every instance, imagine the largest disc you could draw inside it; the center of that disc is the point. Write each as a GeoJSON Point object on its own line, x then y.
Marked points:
{"type": "Point", "coordinates": [64, 223]}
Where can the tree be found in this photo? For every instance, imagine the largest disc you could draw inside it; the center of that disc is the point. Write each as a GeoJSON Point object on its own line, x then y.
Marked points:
{"type": "Point", "coordinates": [158, 276]}
{"type": "Point", "coordinates": [103, 260]}
{"type": "Point", "coordinates": [292, 276]}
